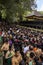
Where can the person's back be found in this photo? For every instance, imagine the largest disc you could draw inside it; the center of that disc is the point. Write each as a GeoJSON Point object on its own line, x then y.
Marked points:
{"type": "Point", "coordinates": [31, 58]}
{"type": "Point", "coordinates": [14, 61]}
{"type": "Point", "coordinates": [9, 56]}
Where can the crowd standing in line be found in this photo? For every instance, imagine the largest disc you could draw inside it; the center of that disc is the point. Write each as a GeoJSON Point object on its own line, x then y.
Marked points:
{"type": "Point", "coordinates": [21, 46]}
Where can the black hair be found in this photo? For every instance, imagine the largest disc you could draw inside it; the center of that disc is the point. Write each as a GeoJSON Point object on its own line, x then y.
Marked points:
{"type": "Point", "coordinates": [10, 47]}
{"type": "Point", "coordinates": [30, 48]}
{"type": "Point", "coordinates": [32, 54]}
{"type": "Point", "coordinates": [41, 57]}
{"type": "Point", "coordinates": [16, 50]}
{"type": "Point", "coordinates": [6, 40]}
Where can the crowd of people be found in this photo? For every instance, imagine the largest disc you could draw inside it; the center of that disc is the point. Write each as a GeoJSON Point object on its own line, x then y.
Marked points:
{"type": "Point", "coordinates": [21, 46]}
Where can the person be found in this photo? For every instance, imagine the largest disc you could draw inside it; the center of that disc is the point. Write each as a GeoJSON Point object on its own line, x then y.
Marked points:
{"type": "Point", "coordinates": [14, 61]}
{"type": "Point", "coordinates": [17, 58]}
{"type": "Point", "coordinates": [10, 42]}
{"type": "Point", "coordinates": [36, 60]}
{"type": "Point", "coordinates": [38, 52]}
{"type": "Point", "coordinates": [30, 50]}
{"type": "Point", "coordinates": [9, 55]}
{"type": "Point", "coordinates": [41, 59]}
{"type": "Point", "coordinates": [26, 48]}
{"type": "Point", "coordinates": [31, 59]}
{"type": "Point", "coordinates": [5, 48]}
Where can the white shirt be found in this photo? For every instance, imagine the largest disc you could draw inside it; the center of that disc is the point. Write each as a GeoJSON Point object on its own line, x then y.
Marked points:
{"type": "Point", "coordinates": [3, 34]}
{"type": "Point", "coordinates": [26, 49]}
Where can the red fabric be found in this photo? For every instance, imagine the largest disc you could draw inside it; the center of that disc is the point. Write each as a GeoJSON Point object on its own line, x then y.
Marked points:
{"type": "Point", "coordinates": [16, 40]}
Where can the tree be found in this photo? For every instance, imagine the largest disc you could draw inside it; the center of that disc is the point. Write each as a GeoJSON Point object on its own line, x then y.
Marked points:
{"type": "Point", "coordinates": [15, 8]}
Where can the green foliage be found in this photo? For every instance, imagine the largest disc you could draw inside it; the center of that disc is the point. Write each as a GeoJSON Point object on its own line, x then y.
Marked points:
{"type": "Point", "coordinates": [3, 13]}
{"type": "Point", "coordinates": [15, 8]}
